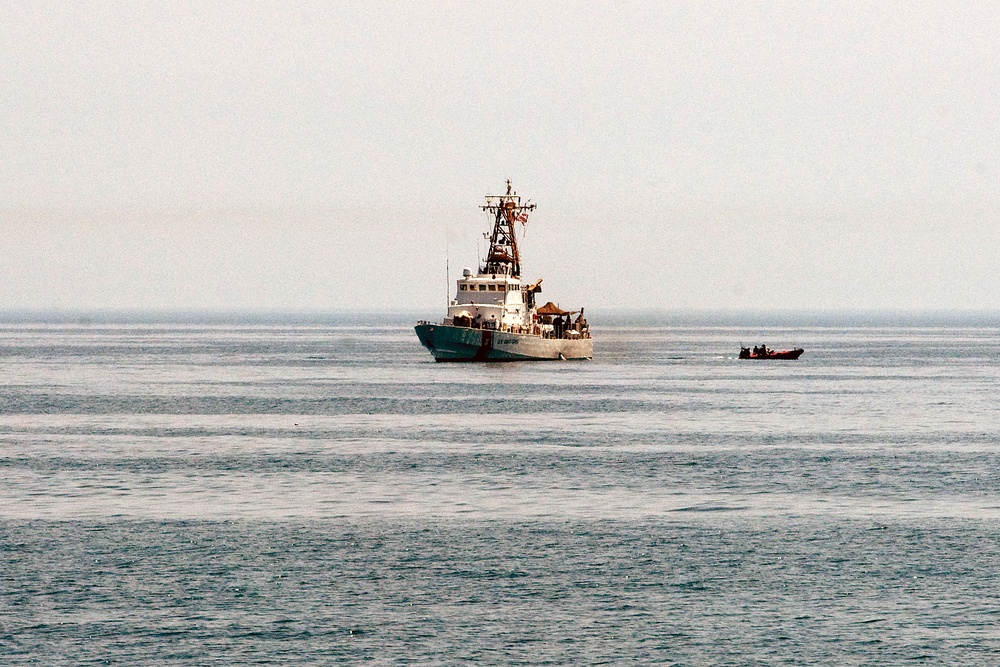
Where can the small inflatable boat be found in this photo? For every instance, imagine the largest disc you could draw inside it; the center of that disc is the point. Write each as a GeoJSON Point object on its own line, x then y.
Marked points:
{"type": "Point", "coordinates": [763, 352]}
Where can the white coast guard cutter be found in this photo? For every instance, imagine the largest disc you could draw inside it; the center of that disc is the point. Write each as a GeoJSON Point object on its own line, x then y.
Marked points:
{"type": "Point", "coordinates": [494, 317]}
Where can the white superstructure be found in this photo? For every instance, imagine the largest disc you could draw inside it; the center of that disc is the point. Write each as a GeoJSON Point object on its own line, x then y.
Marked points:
{"type": "Point", "coordinates": [498, 301]}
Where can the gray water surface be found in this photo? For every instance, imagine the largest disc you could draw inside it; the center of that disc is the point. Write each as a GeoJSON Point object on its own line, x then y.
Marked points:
{"type": "Point", "coordinates": [198, 494]}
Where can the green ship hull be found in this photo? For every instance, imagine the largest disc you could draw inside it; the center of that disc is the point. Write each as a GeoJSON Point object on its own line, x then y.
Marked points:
{"type": "Point", "coordinates": [451, 343]}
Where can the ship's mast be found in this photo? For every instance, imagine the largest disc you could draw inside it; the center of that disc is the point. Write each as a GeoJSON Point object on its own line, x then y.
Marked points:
{"type": "Point", "coordinates": [503, 256]}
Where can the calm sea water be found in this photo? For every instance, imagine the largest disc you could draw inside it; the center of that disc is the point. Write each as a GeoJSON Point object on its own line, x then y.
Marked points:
{"type": "Point", "coordinates": [189, 494]}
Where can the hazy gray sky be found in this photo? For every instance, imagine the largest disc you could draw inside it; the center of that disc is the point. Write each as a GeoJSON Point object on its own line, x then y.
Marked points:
{"type": "Point", "coordinates": [327, 155]}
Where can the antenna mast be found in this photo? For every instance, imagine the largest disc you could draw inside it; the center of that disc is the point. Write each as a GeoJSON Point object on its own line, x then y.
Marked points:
{"type": "Point", "coordinates": [503, 256]}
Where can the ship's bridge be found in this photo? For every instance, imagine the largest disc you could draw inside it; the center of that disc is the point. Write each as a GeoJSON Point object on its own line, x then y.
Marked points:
{"type": "Point", "coordinates": [494, 300]}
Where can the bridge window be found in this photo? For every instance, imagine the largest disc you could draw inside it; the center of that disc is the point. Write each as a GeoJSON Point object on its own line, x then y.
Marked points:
{"type": "Point", "coordinates": [501, 288]}
{"type": "Point", "coordinates": [461, 287]}
{"type": "Point", "coordinates": [493, 288]}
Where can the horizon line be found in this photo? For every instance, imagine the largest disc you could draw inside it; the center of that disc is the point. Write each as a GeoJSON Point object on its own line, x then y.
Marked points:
{"type": "Point", "coordinates": [622, 316]}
